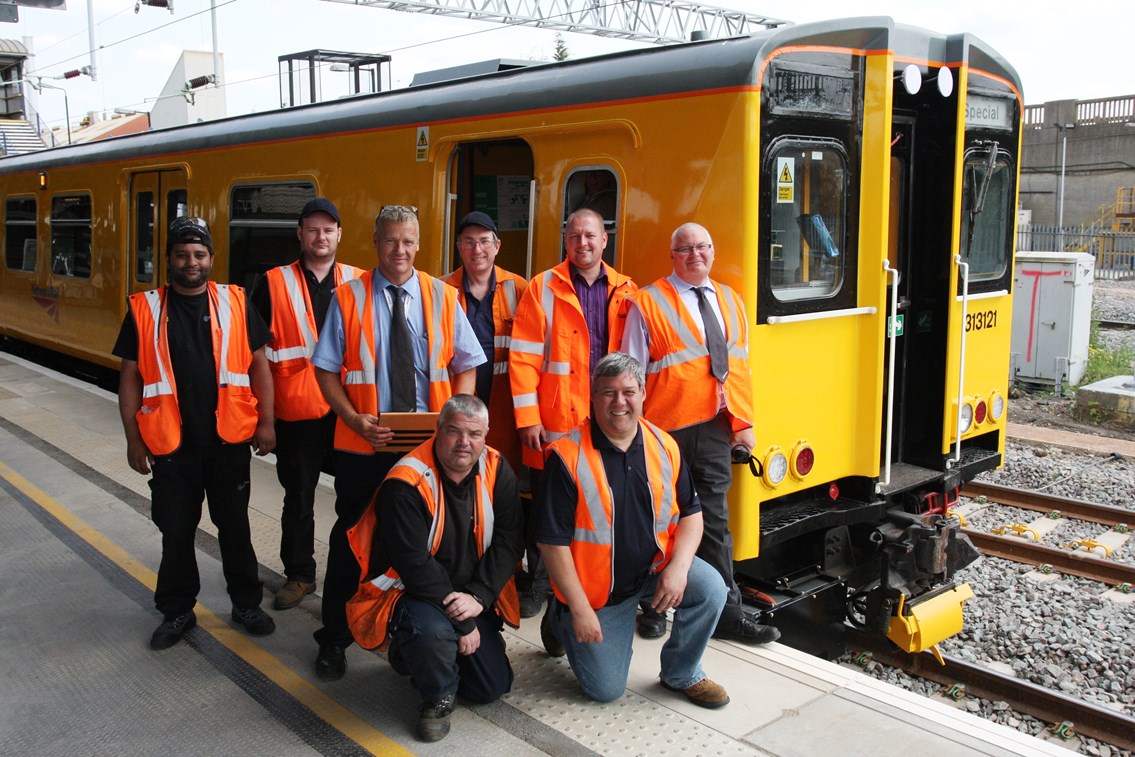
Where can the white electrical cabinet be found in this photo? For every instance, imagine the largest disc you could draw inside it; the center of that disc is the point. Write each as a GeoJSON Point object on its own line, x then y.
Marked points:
{"type": "Point", "coordinates": [1052, 315]}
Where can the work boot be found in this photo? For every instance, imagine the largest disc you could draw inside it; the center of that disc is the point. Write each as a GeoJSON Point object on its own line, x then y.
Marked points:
{"type": "Point", "coordinates": [171, 630]}
{"type": "Point", "coordinates": [745, 630]}
{"type": "Point", "coordinates": [292, 593]}
{"type": "Point", "coordinates": [704, 693]}
{"type": "Point", "coordinates": [433, 725]}
{"type": "Point", "coordinates": [552, 645]}
{"type": "Point", "coordinates": [331, 662]}
{"type": "Point", "coordinates": [651, 624]}
{"type": "Point", "coordinates": [255, 621]}
{"type": "Point", "coordinates": [531, 602]}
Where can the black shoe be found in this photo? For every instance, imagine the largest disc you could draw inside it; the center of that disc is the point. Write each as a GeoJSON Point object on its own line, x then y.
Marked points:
{"type": "Point", "coordinates": [531, 602]}
{"type": "Point", "coordinates": [331, 662]}
{"type": "Point", "coordinates": [171, 630]}
{"type": "Point", "coordinates": [651, 624]}
{"type": "Point", "coordinates": [433, 725]}
{"type": "Point", "coordinates": [255, 621]}
{"type": "Point", "coordinates": [745, 630]}
{"type": "Point", "coordinates": [552, 645]}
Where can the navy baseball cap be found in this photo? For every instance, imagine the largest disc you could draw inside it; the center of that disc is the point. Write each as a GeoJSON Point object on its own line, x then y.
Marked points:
{"type": "Point", "coordinates": [319, 205]}
{"type": "Point", "coordinates": [189, 230]}
{"type": "Point", "coordinates": [477, 218]}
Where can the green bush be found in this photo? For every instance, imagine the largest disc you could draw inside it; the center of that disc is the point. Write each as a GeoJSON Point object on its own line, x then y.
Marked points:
{"type": "Point", "coordinates": [1104, 362]}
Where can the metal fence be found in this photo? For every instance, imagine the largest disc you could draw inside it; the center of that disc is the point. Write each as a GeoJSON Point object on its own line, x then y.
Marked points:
{"type": "Point", "coordinates": [1114, 251]}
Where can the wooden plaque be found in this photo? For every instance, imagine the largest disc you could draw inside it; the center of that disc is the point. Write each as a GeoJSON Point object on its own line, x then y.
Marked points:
{"type": "Point", "coordinates": [410, 429]}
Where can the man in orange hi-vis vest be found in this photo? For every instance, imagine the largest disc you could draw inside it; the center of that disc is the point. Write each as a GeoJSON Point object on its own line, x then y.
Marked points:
{"type": "Point", "coordinates": [437, 576]}
{"type": "Point", "coordinates": [395, 340]}
{"type": "Point", "coordinates": [570, 317]}
{"type": "Point", "coordinates": [618, 521]}
{"type": "Point", "coordinates": [691, 333]}
{"type": "Point", "coordinates": [293, 299]}
{"type": "Point", "coordinates": [194, 390]}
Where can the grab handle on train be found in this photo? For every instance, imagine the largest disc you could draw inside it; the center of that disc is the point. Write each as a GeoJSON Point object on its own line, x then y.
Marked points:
{"type": "Point", "coordinates": [741, 455]}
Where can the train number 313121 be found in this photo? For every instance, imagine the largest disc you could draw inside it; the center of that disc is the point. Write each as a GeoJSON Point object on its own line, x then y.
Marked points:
{"type": "Point", "coordinates": [985, 319]}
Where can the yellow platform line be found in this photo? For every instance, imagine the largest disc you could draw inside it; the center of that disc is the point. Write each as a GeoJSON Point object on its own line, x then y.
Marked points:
{"type": "Point", "coordinates": [308, 694]}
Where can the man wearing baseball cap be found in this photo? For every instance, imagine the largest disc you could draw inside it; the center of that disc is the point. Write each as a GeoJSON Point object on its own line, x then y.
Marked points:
{"type": "Point", "coordinates": [294, 299]}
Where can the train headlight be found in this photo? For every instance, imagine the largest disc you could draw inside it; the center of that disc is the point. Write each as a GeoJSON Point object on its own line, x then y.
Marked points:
{"type": "Point", "coordinates": [776, 466]}
{"type": "Point", "coordinates": [996, 406]}
{"type": "Point", "coordinates": [803, 459]}
{"type": "Point", "coordinates": [979, 412]}
{"type": "Point", "coordinates": [965, 421]}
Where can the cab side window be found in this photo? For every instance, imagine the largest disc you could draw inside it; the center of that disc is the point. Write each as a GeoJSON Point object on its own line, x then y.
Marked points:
{"type": "Point", "coordinates": [596, 188]}
{"type": "Point", "coordinates": [19, 234]}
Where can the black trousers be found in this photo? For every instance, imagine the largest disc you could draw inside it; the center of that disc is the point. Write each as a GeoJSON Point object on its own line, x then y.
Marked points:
{"type": "Point", "coordinates": [181, 482]}
{"type": "Point", "coordinates": [357, 477]}
{"type": "Point", "coordinates": [301, 449]}
{"type": "Point", "coordinates": [426, 643]}
{"type": "Point", "coordinates": [705, 449]}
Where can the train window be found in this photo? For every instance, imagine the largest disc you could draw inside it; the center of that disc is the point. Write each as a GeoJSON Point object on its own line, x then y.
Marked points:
{"type": "Point", "coordinates": [19, 234]}
{"type": "Point", "coordinates": [71, 236]}
{"type": "Point", "coordinates": [807, 230]}
{"type": "Point", "coordinates": [144, 237]}
{"type": "Point", "coordinates": [262, 229]}
{"type": "Point", "coordinates": [987, 212]}
{"type": "Point", "coordinates": [597, 189]}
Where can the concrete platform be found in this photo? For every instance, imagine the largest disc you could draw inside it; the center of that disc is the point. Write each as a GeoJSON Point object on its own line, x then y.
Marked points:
{"type": "Point", "coordinates": [1109, 400]}
{"type": "Point", "coordinates": [78, 554]}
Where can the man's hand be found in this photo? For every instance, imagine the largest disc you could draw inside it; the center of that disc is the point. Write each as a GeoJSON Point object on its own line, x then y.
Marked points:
{"type": "Point", "coordinates": [469, 643]}
{"type": "Point", "coordinates": [586, 625]}
{"type": "Point", "coordinates": [743, 438]}
{"type": "Point", "coordinates": [532, 437]}
{"type": "Point", "coordinates": [671, 587]}
{"type": "Point", "coordinates": [138, 455]}
{"type": "Point", "coordinates": [459, 606]}
{"type": "Point", "coordinates": [264, 440]}
{"type": "Point", "coordinates": [366, 426]}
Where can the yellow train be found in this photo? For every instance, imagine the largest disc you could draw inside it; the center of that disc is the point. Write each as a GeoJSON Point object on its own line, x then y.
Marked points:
{"type": "Point", "coordinates": [859, 178]}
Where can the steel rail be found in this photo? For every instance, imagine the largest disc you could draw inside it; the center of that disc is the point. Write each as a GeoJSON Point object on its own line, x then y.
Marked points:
{"type": "Point", "coordinates": [1108, 515]}
{"type": "Point", "coordinates": [1080, 564]}
{"type": "Point", "coordinates": [1116, 325]}
{"type": "Point", "coordinates": [1088, 719]}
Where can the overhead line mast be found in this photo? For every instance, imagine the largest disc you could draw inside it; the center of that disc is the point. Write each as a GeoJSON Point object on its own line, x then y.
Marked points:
{"type": "Point", "coordinates": [659, 22]}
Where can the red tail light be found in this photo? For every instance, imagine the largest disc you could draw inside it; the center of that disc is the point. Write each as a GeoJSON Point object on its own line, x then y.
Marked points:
{"type": "Point", "coordinates": [979, 412]}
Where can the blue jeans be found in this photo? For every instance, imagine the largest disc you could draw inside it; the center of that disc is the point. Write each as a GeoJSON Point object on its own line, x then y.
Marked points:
{"type": "Point", "coordinates": [602, 668]}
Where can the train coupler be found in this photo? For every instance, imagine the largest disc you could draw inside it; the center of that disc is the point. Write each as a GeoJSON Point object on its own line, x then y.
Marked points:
{"type": "Point", "coordinates": [919, 625]}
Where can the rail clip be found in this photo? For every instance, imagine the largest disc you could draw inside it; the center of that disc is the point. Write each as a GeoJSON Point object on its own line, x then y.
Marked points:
{"type": "Point", "coordinates": [1089, 545]}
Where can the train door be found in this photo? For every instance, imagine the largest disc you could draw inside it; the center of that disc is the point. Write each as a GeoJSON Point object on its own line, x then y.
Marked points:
{"type": "Point", "coordinates": [156, 198]}
{"type": "Point", "coordinates": [494, 177]}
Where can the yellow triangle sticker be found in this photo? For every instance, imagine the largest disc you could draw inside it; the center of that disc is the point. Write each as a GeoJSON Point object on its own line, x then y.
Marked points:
{"type": "Point", "coordinates": [785, 175]}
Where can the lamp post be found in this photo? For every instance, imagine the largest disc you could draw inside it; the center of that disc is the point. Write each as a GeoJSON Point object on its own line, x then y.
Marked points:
{"type": "Point", "coordinates": [1063, 164]}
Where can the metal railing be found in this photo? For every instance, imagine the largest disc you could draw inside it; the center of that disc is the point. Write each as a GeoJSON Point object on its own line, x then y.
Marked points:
{"type": "Point", "coordinates": [1113, 250]}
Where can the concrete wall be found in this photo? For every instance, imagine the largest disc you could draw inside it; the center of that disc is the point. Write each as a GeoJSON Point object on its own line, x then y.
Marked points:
{"type": "Point", "coordinates": [1100, 157]}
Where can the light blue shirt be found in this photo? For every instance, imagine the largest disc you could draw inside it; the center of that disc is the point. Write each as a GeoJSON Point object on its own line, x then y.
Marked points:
{"type": "Point", "coordinates": [467, 352]}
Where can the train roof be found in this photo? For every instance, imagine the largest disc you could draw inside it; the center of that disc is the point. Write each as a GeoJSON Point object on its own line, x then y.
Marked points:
{"type": "Point", "coordinates": [631, 75]}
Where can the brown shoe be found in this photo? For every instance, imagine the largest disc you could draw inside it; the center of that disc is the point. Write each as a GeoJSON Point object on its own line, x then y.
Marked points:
{"type": "Point", "coordinates": [704, 693]}
{"type": "Point", "coordinates": [292, 593]}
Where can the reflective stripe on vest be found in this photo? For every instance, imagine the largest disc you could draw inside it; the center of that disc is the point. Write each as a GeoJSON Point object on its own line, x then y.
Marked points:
{"type": "Point", "coordinates": [694, 347]}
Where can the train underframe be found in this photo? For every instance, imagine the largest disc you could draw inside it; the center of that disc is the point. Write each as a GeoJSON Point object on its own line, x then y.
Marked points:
{"type": "Point", "coordinates": [847, 555]}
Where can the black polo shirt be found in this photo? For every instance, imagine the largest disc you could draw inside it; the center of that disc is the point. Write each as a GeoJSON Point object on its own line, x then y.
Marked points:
{"type": "Point", "coordinates": [633, 520]}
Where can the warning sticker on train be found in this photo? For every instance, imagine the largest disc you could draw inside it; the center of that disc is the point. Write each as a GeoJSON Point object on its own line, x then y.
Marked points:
{"type": "Point", "coordinates": [422, 144]}
{"type": "Point", "coordinates": [785, 168]}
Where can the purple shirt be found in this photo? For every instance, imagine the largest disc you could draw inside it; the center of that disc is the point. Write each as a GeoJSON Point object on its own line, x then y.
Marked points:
{"type": "Point", "coordinates": [593, 301]}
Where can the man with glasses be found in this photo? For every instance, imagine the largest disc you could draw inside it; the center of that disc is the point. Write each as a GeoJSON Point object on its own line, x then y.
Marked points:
{"type": "Point", "coordinates": [294, 299]}
{"type": "Point", "coordinates": [194, 390]}
{"type": "Point", "coordinates": [691, 334]}
{"type": "Point", "coordinates": [489, 295]}
{"type": "Point", "coordinates": [570, 317]}
{"type": "Point", "coordinates": [395, 340]}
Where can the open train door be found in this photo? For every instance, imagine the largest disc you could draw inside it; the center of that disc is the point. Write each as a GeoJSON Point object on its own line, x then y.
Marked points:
{"type": "Point", "coordinates": [156, 198]}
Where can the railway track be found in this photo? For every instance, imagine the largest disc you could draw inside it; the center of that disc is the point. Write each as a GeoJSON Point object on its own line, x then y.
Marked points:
{"type": "Point", "coordinates": [1066, 561]}
{"type": "Point", "coordinates": [1116, 325]}
{"type": "Point", "coordinates": [1068, 716]}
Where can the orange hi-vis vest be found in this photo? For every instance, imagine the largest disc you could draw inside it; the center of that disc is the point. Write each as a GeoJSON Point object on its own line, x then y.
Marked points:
{"type": "Point", "coordinates": [550, 359]}
{"type": "Point", "coordinates": [159, 419]}
{"type": "Point", "coordinates": [502, 429]}
{"type": "Point", "coordinates": [369, 611]}
{"type": "Point", "coordinates": [360, 378]}
{"type": "Point", "coordinates": [592, 547]}
{"type": "Point", "coordinates": [294, 335]}
{"type": "Point", "coordinates": [680, 389]}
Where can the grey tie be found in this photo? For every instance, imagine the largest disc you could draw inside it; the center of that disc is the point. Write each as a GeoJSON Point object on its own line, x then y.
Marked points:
{"type": "Point", "coordinates": [401, 368]}
{"type": "Point", "coordinates": [714, 339]}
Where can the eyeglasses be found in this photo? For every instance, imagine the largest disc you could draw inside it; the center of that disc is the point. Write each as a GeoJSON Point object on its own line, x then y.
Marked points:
{"type": "Point", "coordinates": [472, 244]}
{"type": "Point", "coordinates": [700, 248]}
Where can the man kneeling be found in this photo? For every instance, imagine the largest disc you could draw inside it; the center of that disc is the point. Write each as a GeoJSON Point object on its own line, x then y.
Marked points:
{"type": "Point", "coordinates": [618, 520]}
{"type": "Point", "coordinates": [438, 547]}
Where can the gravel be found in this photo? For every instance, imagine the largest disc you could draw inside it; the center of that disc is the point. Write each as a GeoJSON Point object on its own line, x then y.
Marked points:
{"type": "Point", "coordinates": [1060, 634]}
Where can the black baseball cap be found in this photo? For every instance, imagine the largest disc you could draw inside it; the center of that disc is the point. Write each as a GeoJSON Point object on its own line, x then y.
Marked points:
{"type": "Point", "coordinates": [319, 205]}
{"type": "Point", "coordinates": [477, 218]}
{"type": "Point", "coordinates": [189, 230]}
